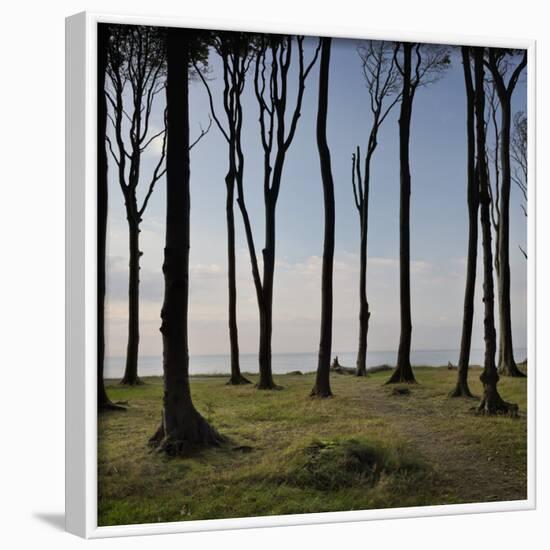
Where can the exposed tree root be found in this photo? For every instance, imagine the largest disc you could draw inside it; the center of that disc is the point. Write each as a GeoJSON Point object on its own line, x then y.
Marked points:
{"type": "Point", "coordinates": [131, 381]}
{"type": "Point", "coordinates": [320, 393]}
{"type": "Point", "coordinates": [268, 386]}
{"type": "Point", "coordinates": [491, 402]}
{"type": "Point", "coordinates": [239, 380]}
{"type": "Point", "coordinates": [511, 369]}
{"type": "Point", "coordinates": [462, 390]}
{"type": "Point", "coordinates": [497, 406]}
{"type": "Point", "coordinates": [402, 375]}
{"type": "Point", "coordinates": [193, 433]}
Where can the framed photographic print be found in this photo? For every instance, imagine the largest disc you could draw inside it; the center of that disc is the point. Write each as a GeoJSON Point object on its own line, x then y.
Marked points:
{"type": "Point", "coordinates": [300, 269]}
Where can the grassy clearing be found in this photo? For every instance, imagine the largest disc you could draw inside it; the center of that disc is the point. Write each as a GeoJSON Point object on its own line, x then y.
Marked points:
{"type": "Point", "coordinates": [288, 453]}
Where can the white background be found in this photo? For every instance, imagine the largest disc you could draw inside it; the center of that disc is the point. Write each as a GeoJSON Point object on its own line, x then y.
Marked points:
{"type": "Point", "coordinates": [32, 268]}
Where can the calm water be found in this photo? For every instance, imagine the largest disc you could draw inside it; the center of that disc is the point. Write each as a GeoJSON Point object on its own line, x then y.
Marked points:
{"type": "Point", "coordinates": [286, 362]}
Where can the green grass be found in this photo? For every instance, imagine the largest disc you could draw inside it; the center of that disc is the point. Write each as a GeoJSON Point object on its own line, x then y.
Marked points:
{"type": "Point", "coordinates": [288, 453]}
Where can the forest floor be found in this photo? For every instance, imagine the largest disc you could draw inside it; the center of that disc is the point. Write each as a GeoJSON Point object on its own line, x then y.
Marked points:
{"type": "Point", "coordinates": [287, 453]}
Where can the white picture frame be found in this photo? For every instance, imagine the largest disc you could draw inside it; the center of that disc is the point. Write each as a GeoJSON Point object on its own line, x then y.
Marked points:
{"type": "Point", "coordinates": [81, 360]}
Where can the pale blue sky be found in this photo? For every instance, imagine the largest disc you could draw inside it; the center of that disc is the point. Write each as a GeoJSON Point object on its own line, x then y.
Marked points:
{"type": "Point", "coordinates": [438, 225]}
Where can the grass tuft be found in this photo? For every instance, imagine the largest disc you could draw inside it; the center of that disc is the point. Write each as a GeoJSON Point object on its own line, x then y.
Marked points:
{"type": "Point", "coordinates": [335, 464]}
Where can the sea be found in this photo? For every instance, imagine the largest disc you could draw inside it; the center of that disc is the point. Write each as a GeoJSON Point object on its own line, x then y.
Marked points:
{"type": "Point", "coordinates": [288, 362]}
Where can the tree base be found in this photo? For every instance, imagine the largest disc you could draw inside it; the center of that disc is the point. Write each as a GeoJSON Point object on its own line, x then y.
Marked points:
{"type": "Point", "coordinates": [194, 433]}
{"type": "Point", "coordinates": [361, 372]}
{"type": "Point", "coordinates": [266, 386]}
{"type": "Point", "coordinates": [511, 370]}
{"type": "Point", "coordinates": [238, 380]}
{"type": "Point", "coordinates": [321, 393]}
{"type": "Point", "coordinates": [131, 381]}
{"type": "Point", "coordinates": [495, 405]}
{"type": "Point", "coordinates": [402, 376]}
{"type": "Point", "coordinates": [462, 390]}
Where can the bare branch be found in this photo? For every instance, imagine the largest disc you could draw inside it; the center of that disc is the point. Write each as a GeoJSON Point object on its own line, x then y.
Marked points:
{"type": "Point", "coordinates": [142, 148]}
{"type": "Point", "coordinates": [211, 102]}
{"type": "Point", "coordinates": [115, 158]}
{"type": "Point", "coordinates": [204, 131]}
{"type": "Point", "coordinates": [157, 174]}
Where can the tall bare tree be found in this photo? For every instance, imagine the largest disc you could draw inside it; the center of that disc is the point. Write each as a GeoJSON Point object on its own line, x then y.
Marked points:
{"type": "Point", "coordinates": [234, 50]}
{"type": "Point", "coordinates": [382, 81]}
{"type": "Point", "coordinates": [273, 60]}
{"type": "Point", "coordinates": [136, 76]}
{"type": "Point", "coordinates": [419, 65]}
{"type": "Point", "coordinates": [462, 388]}
{"type": "Point", "coordinates": [322, 379]}
{"type": "Point", "coordinates": [498, 61]}
{"type": "Point", "coordinates": [491, 402]}
{"type": "Point", "coordinates": [103, 401]}
{"type": "Point", "coordinates": [182, 427]}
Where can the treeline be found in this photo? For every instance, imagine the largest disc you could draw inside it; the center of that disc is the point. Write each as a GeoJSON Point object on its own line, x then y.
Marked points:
{"type": "Point", "coordinates": [136, 64]}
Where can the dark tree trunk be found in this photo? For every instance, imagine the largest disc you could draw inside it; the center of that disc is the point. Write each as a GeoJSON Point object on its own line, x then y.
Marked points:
{"type": "Point", "coordinates": [236, 377]}
{"type": "Point", "coordinates": [364, 313]}
{"type": "Point", "coordinates": [403, 371]}
{"type": "Point", "coordinates": [322, 380]}
{"type": "Point", "coordinates": [507, 364]}
{"type": "Point", "coordinates": [491, 402]}
{"type": "Point", "coordinates": [182, 427]}
{"type": "Point", "coordinates": [131, 377]}
{"type": "Point", "coordinates": [266, 316]}
{"type": "Point", "coordinates": [103, 401]}
{"type": "Point", "coordinates": [462, 388]}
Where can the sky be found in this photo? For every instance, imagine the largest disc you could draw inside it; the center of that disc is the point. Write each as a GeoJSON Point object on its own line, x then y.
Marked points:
{"type": "Point", "coordinates": [439, 224]}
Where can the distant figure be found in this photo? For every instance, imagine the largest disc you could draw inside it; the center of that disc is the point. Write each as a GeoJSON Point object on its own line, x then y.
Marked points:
{"type": "Point", "coordinates": [335, 363]}
{"type": "Point", "coordinates": [450, 366]}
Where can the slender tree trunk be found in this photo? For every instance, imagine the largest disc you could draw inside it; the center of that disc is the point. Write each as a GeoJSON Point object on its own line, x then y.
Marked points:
{"type": "Point", "coordinates": [499, 293]}
{"type": "Point", "coordinates": [236, 377]}
{"type": "Point", "coordinates": [266, 316]}
{"type": "Point", "coordinates": [462, 388]}
{"type": "Point", "coordinates": [103, 401]}
{"type": "Point", "coordinates": [491, 402]}
{"type": "Point", "coordinates": [507, 365]}
{"type": "Point", "coordinates": [403, 371]}
{"type": "Point", "coordinates": [131, 377]}
{"type": "Point", "coordinates": [364, 313]}
{"type": "Point", "coordinates": [182, 427]}
{"type": "Point", "coordinates": [322, 380]}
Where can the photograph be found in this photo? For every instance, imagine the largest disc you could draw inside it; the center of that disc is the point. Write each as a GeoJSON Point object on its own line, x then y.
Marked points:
{"type": "Point", "coordinates": [313, 291]}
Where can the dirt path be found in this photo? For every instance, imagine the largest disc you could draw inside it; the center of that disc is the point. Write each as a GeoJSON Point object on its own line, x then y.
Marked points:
{"type": "Point", "coordinates": [476, 467]}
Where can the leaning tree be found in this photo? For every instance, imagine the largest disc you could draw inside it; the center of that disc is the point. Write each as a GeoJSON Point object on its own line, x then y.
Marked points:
{"type": "Point", "coordinates": [322, 379]}
{"type": "Point", "coordinates": [462, 388]}
{"type": "Point", "coordinates": [235, 52]}
{"type": "Point", "coordinates": [382, 82]}
{"type": "Point", "coordinates": [418, 65]}
{"type": "Point", "coordinates": [500, 65]}
{"type": "Point", "coordinates": [491, 402]}
{"type": "Point", "coordinates": [278, 122]}
{"type": "Point", "coordinates": [136, 66]}
{"type": "Point", "coordinates": [182, 426]}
